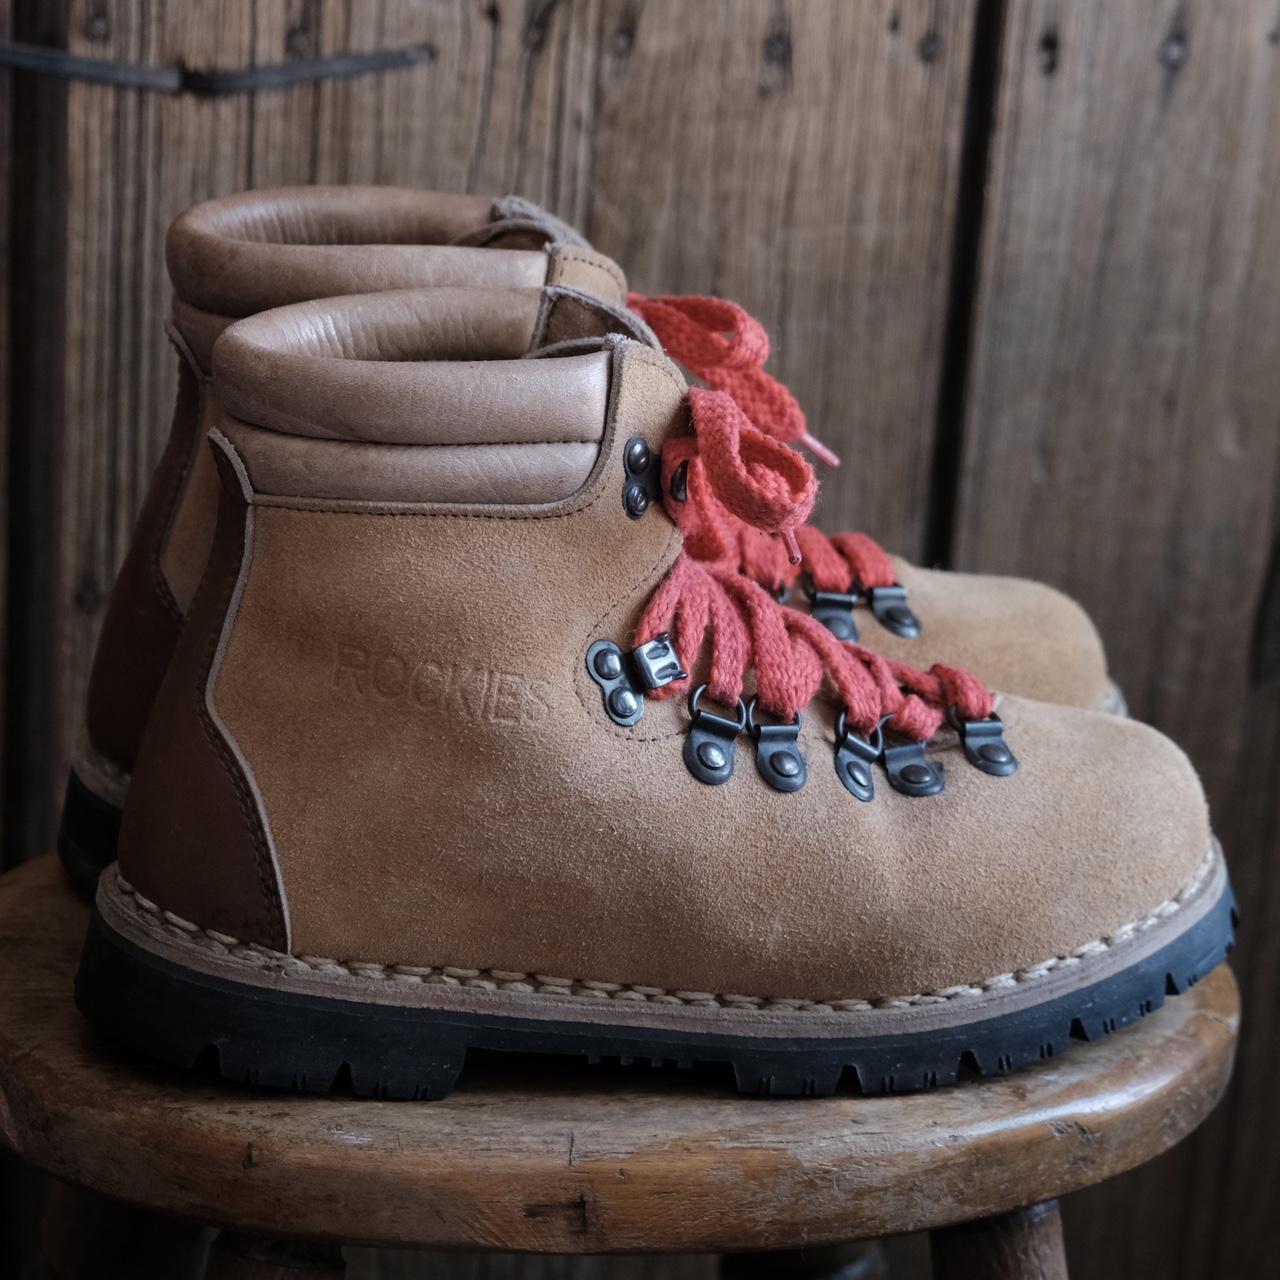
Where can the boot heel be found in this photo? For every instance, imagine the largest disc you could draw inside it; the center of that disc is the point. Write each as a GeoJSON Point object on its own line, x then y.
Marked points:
{"type": "Point", "coordinates": [87, 835]}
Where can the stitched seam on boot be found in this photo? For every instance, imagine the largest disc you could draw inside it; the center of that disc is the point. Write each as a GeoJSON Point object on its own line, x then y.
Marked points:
{"type": "Point", "coordinates": [223, 754]}
{"type": "Point", "coordinates": [224, 945]}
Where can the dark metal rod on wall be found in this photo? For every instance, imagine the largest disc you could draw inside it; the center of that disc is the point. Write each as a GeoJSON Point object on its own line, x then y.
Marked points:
{"type": "Point", "coordinates": [212, 83]}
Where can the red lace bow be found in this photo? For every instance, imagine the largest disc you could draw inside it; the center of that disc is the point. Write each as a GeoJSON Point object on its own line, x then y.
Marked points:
{"type": "Point", "coordinates": [735, 475]}
{"type": "Point", "coordinates": [726, 347]}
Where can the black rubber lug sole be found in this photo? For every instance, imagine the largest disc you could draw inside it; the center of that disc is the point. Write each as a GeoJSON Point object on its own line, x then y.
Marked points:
{"type": "Point", "coordinates": [87, 836]}
{"type": "Point", "coordinates": [315, 1043]}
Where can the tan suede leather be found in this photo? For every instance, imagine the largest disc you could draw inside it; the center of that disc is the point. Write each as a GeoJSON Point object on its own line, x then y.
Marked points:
{"type": "Point", "coordinates": [232, 257]}
{"type": "Point", "coordinates": [1019, 636]}
{"type": "Point", "coordinates": [403, 689]}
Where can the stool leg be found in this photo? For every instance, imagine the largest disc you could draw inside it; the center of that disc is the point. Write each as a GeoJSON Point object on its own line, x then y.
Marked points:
{"type": "Point", "coordinates": [828, 1262]}
{"type": "Point", "coordinates": [244, 1257]}
{"type": "Point", "coordinates": [85, 1235]}
{"type": "Point", "coordinates": [1023, 1245]}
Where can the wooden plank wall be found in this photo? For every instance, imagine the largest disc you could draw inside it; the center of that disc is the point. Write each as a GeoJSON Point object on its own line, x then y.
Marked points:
{"type": "Point", "coordinates": [6, 143]}
{"type": "Point", "coordinates": [1017, 260]}
{"type": "Point", "coordinates": [1122, 440]}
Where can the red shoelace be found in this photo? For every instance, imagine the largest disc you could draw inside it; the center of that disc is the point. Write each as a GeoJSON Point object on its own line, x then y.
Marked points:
{"type": "Point", "coordinates": [726, 347]}
{"type": "Point", "coordinates": [738, 475]}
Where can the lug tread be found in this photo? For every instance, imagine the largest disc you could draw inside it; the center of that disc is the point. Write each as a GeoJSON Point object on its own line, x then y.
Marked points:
{"type": "Point", "coordinates": [318, 1044]}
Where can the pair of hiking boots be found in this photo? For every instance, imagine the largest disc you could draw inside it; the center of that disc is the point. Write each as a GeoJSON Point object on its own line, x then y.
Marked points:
{"type": "Point", "coordinates": [453, 697]}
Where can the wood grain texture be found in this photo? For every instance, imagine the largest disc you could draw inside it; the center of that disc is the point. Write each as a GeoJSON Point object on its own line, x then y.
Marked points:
{"type": "Point", "coordinates": [801, 158]}
{"type": "Point", "coordinates": [1023, 1245]}
{"type": "Point", "coordinates": [1122, 442]}
{"type": "Point", "coordinates": [7, 89]}
{"type": "Point", "coordinates": [1121, 438]}
{"type": "Point", "coordinates": [557, 1158]}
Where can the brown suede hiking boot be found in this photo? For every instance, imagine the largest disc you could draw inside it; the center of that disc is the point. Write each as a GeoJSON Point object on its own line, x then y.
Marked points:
{"type": "Point", "coordinates": [231, 258]}
{"type": "Point", "coordinates": [411, 786]}
{"type": "Point", "coordinates": [228, 259]}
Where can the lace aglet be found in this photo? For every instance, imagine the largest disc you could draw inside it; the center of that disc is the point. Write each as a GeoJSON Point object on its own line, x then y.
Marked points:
{"type": "Point", "coordinates": [820, 450]}
{"type": "Point", "coordinates": [792, 546]}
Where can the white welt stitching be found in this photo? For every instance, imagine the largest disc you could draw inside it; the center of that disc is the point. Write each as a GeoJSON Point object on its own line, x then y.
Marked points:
{"type": "Point", "coordinates": [540, 983]}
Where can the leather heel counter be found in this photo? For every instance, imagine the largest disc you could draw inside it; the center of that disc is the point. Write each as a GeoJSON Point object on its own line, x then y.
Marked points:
{"type": "Point", "coordinates": [143, 620]}
{"type": "Point", "coordinates": [195, 838]}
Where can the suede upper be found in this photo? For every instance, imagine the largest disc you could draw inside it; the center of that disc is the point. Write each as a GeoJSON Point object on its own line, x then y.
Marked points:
{"type": "Point", "coordinates": [238, 255]}
{"type": "Point", "coordinates": [421, 770]}
{"type": "Point", "coordinates": [1019, 636]}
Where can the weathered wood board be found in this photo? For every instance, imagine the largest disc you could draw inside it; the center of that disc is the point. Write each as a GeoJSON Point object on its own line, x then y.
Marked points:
{"type": "Point", "coordinates": [1122, 440]}
{"type": "Point", "coordinates": [1120, 430]}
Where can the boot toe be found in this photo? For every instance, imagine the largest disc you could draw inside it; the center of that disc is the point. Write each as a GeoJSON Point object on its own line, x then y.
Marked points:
{"type": "Point", "coordinates": [831, 898]}
{"type": "Point", "coordinates": [1102, 826]}
{"type": "Point", "coordinates": [1019, 636]}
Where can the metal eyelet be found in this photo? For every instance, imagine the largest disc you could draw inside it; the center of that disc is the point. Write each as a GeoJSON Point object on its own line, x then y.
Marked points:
{"type": "Point", "coordinates": [909, 770]}
{"type": "Point", "coordinates": [709, 746]}
{"type": "Point", "coordinates": [607, 666]}
{"type": "Point", "coordinates": [624, 678]}
{"type": "Point", "coordinates": [854, 757]}
{"type": "Point", "coordinates": [984, 744]}
{"type": "Point", "coordinates": [778, 756]}
{"type": "Point", "coordinates": [643, 484]}
{"type": "Point", "coordinates": [834, 609]}
{"type": "Point", "coordinates": [679, 487]}
{"type": "Point", "coordinates": [656, 663]}
{"type": "Point", "coordinates": [890, 608]}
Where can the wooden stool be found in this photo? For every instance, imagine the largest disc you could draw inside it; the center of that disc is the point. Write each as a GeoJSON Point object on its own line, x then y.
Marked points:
{"type": "Point", "coordinates": [554, 1157]}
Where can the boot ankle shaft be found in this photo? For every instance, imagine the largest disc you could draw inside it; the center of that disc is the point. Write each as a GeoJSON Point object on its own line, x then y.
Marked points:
{"type": "Point", "coordinates": [229, 258]}
{"type": "Point", "coordinates": [535, 440]}
{"type": "Point", "coordinates": [248, 253]}
{"type": "Point", "coordinates": [422, 396]}
{"type": "Point", "coordinates": [333, 616]}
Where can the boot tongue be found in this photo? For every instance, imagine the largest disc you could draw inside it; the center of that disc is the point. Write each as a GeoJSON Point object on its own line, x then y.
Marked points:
{"type": "Point", "coordinates": [517, 223]}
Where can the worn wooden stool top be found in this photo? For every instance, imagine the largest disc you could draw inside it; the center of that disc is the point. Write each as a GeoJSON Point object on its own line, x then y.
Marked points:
{"type": "Point", "coordinates": [549, 1156]}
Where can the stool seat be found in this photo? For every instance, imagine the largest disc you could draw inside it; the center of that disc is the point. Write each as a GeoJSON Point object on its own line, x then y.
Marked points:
{"type": "Point", "coordinates": [554, 1156]}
